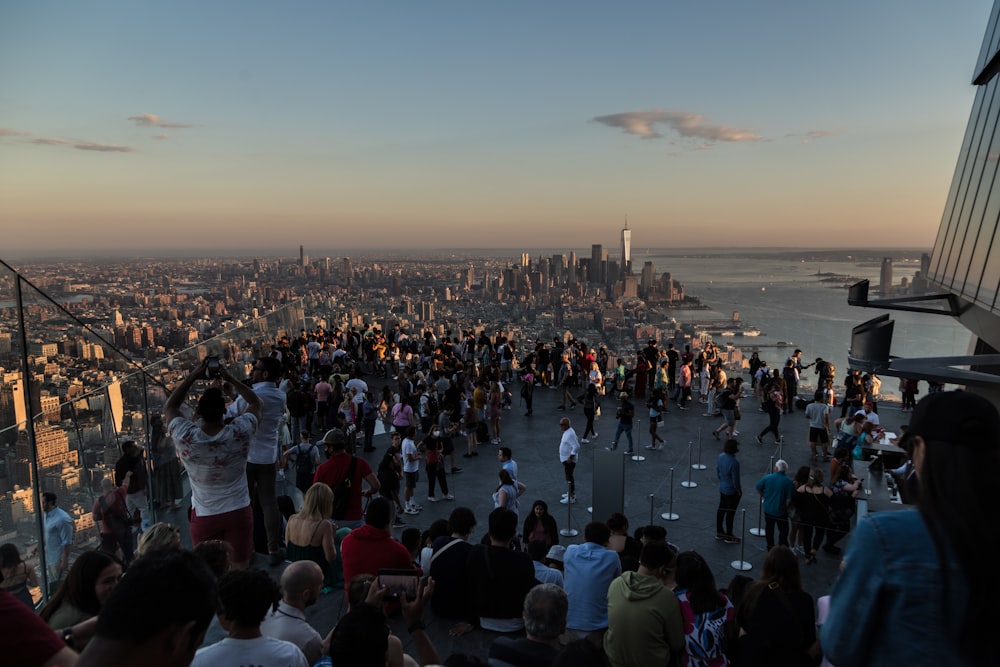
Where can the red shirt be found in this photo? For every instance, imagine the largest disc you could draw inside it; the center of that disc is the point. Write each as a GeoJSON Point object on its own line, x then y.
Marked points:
{"type": "Point", "coordinates": [334, 471]}
{"type": "Point", "coordinates": [26, 638]}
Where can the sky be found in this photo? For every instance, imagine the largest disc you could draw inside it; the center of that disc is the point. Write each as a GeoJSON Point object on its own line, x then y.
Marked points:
{"type": "Point", "coordinates": [265, 125]}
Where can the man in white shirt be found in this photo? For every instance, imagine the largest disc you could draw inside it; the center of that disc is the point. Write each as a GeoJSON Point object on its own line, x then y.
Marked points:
{"type": "Point", "coordinates": [411, 470]}
{"type": "Point", "coordinates": [261, 469]}
{"type": "Point", "coordinates": [245, 597]}
{"type": "Point", "coordinates": [569, 447]}
{"type": "Point", "coordinates": [507, 462]}
{"type": "Point", "coordinates": [869, 413]}
{"type": "Point", "coordinates": [301, 583]}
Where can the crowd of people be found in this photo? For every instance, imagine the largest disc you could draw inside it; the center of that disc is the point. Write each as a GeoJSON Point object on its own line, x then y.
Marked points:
{"type": "Point", "coordinates": [620, 597]}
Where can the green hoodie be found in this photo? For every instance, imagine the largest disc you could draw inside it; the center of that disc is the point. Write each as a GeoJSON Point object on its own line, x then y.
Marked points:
{"type": "Point", "coordinates": [644, 622]}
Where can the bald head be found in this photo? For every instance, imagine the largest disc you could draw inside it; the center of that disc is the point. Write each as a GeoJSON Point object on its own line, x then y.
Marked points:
{"type": "Point", "coordinates": [300, 583]}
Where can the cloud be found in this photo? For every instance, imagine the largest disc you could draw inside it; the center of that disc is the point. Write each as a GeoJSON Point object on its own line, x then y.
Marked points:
{"type": "Point", "coordinates": [684, 123]}
{"type": "Point", "coordinates": [7, 132]}
{"type": "Point", "coordinates": [809, 136]}
{"type": "Point", "coordinates": [152, 120]}
{"type": "Point", "coordinates": [102, 148]}
{"type": "Point", "coordinates": [83, 145]}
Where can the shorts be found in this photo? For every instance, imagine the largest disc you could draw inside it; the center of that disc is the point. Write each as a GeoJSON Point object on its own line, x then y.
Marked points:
{"type": "Point", "coordinates": [730, 417]}
{"type": "Point", "coordinates": [235, 527]}
{"type": "Point", "coordinates": [411, 479]}
{"type": "Point", "coordinates": [818, 435]}
{"type": "Point", "coordinates": [448, 447]}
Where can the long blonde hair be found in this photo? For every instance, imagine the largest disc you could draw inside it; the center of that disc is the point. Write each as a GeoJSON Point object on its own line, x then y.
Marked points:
{"type": "Point", "coordinates": [317, 503]}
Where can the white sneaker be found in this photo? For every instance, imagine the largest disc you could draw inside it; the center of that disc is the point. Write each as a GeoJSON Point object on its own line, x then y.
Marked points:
{"type": "Point", "coordinates": [449, 496]}
{"type": "Point", "coordinates": [432, 499]}
{"type": "Point", "coordinates": [411, 510]}
{"type": "Point", "coordinates": [594, 434]}
{"type": "Point", "coordinates": [584, 441]}
{"type": "Point", "coordinates": [416, 506]}
{"type": "Point", "coordinates": [565, 495]}
{"type": "Point", "coordinates": [568, 501]}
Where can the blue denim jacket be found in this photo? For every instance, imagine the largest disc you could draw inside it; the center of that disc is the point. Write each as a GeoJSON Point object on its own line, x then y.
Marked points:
{"type": "Point", "coordinates": [886, 608]}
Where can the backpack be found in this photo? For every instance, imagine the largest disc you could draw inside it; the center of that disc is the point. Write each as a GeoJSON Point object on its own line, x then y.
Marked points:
{"type": "Point", "coordinates": [342, 491]}
{"type": "Point", "coordinates": [304, 468]}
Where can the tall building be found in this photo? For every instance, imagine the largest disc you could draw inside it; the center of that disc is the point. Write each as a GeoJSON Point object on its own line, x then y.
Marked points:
{"type": "Point", "coordinates": [885, 276]}
{"type": "Point", "coordinates": [571, 269]}
{"type": "Point", "coordinates": [594, 274]}
{"type": "Point", "coordinates": [625, 265]}
{"type": "Point", "coordinates": [302, 255]}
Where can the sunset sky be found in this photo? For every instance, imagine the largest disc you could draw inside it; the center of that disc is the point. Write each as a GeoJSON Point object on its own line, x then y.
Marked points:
{"type": "Point", "coordinates": [262, 125]}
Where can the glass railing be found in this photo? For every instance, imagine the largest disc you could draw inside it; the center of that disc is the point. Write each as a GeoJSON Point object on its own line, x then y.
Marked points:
{"type": "Point", "coordinates": [72, 393]}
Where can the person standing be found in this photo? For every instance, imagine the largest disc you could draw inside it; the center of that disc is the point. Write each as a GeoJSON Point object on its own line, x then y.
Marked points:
{"type": "Point", "coordinates": [215, 455]}
{"type": "Point", "coordinates": [411, 470]}
{"type": "Point", "coordinates": [684, 384]}
{"type": "Point", "coordinates": [137, 498]}
{"type": "Point", "coordinates": [58, 539]}
{"type": "Point", "coordinates": [818, 414]}
{"type": "Point", "coordinates": [569, 448]}
{"type": "Point", "coordinates": [625, 414]}
{"type": "Point", "coordinates": [727, 468]}
{"type": "Point", "coordinates": [369, 415]}
{"type": "Point", "coordinates": [262, 461]}
{"type": "Point", "coordinates": [777, 490]}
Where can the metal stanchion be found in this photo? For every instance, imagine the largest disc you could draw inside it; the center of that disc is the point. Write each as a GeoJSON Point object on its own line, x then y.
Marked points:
{"type": "Point", "coordinates": [569, 531]}
{"type": "Point", "coordinates": [699, 465]}
{"type": "Point", "coordinates": [689, 484]}
{"type": "Point", "coordinates": [781, 446]}
{"type": "Point", "coordinates": [651, 509]}
{"type": "Point", "coordinates": [758, 531]}
{"type": "Point", "coordinates": [741, 564]}
{"type": "Point", "coordinates": [669, 514]}
{"type": "Point", "coordinates": [636, 456]}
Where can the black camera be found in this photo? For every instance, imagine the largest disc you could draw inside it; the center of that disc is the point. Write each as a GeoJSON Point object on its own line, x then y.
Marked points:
{"type": "Point", "coordinates": [213, 369]}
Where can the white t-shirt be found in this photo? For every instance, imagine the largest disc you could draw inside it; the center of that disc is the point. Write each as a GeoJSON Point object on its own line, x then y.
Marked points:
{"type": "Point", "coordinates": [216, 464]}
{"type": "Point", "coordinates": [259, 652]}
{"type": "Point", "coordinates": [869, 416]}
{"type": "Point", "coordinates": [410, 449]}
{"type": "Point", "coordinates": [817, 413]}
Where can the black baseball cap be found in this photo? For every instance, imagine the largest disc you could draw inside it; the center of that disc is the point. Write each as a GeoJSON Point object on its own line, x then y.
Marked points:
{"type": "Point", "coordinates": [955, 417]}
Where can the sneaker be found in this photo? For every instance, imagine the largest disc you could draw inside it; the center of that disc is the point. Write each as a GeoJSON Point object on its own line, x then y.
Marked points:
{"type": "Point", "coordinates": [681, 407]}
{"type": "Point", "coordinates": [720, 537]}
{"type": "Point", "coordinates": [455, 471]}
{"type": "Point", "coordinates": [628, 452]}
{"type": "Point", "coordinates": [416, 506]}
{"type": "Point", "coordinates": [799, 551]}
{"type": "Point", "coordinates": [716, 434]}
{"type": "Point", "coordinates": [449, 496]}
{"type": "Point", "coordinates": [594, 434]}
{"type": "Point", "coordinates": [565, 495]}
{"type": "Point", "coordinates": [759, 440]}
{"type": "Point", "coordinates": [732, 539]}
{"type": "Point", "coordinates": [584, 441]}
{"type": "Point", "coordinates": [411, 510]}
{"type": "Point", "coordinates": [735, 433]}
{"type": "Point", "coordinates": [610, 449]}
{"type": "Point", "coordinates": [568, 501]}
{"type": "Point", "coordinates": [276, 558]}
{"type": "Point", "coordinates": [432, 499]}
{"type": "Point", "coordinates": [651, 447]}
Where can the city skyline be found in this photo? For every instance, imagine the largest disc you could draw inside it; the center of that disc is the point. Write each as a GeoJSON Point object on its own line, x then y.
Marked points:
{"type": "Point", "coordinates": [454, 126]}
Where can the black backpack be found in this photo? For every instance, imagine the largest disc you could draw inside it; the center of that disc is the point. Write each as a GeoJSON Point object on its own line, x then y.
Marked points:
{"type": "Point", "coordinates": [342, 491]}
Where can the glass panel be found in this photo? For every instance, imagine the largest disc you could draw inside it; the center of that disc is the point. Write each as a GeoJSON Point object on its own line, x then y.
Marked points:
{"type": "Point", "coordinates": [957, 195]}
{"type": "Point", "coordinates": [969, 189]}
{"type": "Point", "coordinates": [87, 394]}
{"type": "Point", "coordinates": [987, 159]}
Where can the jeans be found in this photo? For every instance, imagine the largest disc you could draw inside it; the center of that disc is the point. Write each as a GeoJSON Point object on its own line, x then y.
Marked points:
{"type": "Point", "coordinates": [627, 430]}
{"type": "Point", "coordinates": [261, 480]}
{"type": "Point", "coordinates": [774, 418]}
{"type": "Point", "coordinates": [726, 512]}
{"type": "Point", "coordinates": [770, 521]}
{"type": "Point", "coordinates": [568, 468]}
{"type": "Point", "coordinates": [435, 473]}
{"type": "Point", "coordinates": [297, 425]}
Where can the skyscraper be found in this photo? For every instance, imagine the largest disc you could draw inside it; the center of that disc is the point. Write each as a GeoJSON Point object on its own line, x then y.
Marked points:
{"type": "Point", "coordinates": [626, 260]}
{"type": "Point", "coordinates": [885, 277]}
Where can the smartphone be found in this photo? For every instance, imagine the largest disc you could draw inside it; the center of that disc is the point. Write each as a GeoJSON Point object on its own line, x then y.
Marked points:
{"type": "Point", "coordinates": [213, 370]}
{"type": "Point", "coordinates": [398, 583]}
